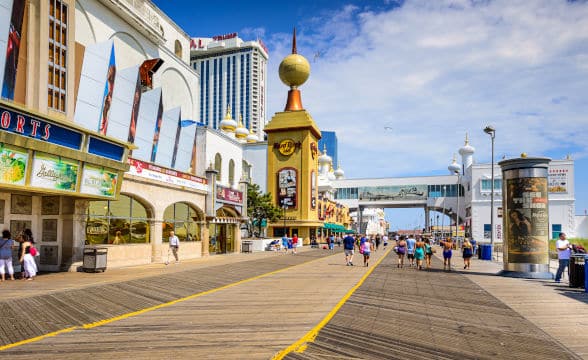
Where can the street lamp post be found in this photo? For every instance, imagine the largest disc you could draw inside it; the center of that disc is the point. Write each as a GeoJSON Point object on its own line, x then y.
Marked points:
{"type": "Point", "coordinates": [492, 132]}
{"type": "Point", "coordinates": [457, 211]}
{"type": "Point", "coordinates": [284, 206]}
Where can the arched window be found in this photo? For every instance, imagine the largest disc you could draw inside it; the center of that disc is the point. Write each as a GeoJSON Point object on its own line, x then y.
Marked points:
{"type": "Point", "coordinates": [231, 172]}
{"type": "Point", "coordinates": [117, 222]}
{"type": "Point", "coordinates": [218, 161]}
{"type": "Point", "coordinates": [245, 170]}
{"type": "Point", "coordinates": [178, 48]}
{"type": "Point", "coordinates": [183, 220]}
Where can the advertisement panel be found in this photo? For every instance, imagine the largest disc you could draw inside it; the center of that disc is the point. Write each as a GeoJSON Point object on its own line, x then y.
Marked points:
{"type": "Point", "coordinates": [99, 181]}
{"type": "Point", "coordinates": [287, 187]}
{"type": "Point", "coordinates": [228, 195]}
{"type": "Point", "coordinates": [54, 172]}
{"type": "Point", "coordinates": [13, 165]}
{"type": "Point", "coordinates": [107, 95]}
{"type": "Point", "coordinates": [396, 192]}
{"type": "Point", "coordinates": [527, 227]}
{"type": "Point", "coordinates": [557, 181]}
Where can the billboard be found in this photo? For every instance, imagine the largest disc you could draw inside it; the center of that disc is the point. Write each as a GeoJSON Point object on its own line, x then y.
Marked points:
{"type": "Point", "coordinates": [557, 180]}
{"type": "Point", "coordinates": [13, 165]}
{"type": "Point", "coordinates": [168, 135]}
{"type": "Point", "coordinates": [287, 187]}
{"type": "Point", "coordinates": [150, 105]}
{"type": "Point", "coordinates": [125, 103]}
{"type": "Point", "coordinates": [54, 172]}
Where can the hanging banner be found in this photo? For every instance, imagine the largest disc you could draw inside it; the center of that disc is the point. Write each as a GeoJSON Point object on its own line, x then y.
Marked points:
{"type": "Point", "coordinates": [526, 223]}
{"type": "Point", "coordinates": [53, 172]}
{"type": "Point", "coordinates": [99, 181]}
{"type": "Point", "coordinates": [12, 49]}
{"type": "Point", "coordinates": [13, 165]}
{"type": "Point", "coordinates": [228, 195]}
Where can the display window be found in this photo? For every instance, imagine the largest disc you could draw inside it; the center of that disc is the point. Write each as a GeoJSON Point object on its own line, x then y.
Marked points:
{"type": "Point", "coordinates": [117, 222]}
{"type": "Point", "coordinates": [183, 220]}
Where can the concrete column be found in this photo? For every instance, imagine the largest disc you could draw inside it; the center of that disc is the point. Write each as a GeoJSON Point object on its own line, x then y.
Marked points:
{"type": "Point", "coordinates": [205, 237]}
{"type": "Point", "coordinates": [156, 240]}
{"type": "Point", "coordinates": [80, 218]}
{"type": "Point", "coordinates": [211, 196]}
{"type": "Point", "coordinates": [237, 232]}
{"type": "Point", "coordinates": [427, 220]}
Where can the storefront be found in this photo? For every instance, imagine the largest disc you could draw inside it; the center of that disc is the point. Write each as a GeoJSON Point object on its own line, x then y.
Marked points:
{"type": "Point", "coordinates": [224, 228]}
{"type": "Point", "coordinates": [49, 169]}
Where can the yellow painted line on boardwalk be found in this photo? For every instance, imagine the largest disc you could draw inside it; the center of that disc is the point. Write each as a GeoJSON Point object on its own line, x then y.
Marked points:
{"type": "Point", "coordinates": [142, 311]}
{"type": "Point", "coordinates": [38, 338]}
{"type": "Point", "coordinates": [301, 345]}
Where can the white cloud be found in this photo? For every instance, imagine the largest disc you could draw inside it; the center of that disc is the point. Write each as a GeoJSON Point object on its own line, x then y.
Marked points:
{"type": "Point", "coordinates": [434, 70]}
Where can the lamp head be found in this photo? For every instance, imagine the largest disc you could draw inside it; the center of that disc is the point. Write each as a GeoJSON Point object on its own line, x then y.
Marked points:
{"type": "Point", "coordinates": [490, 130]}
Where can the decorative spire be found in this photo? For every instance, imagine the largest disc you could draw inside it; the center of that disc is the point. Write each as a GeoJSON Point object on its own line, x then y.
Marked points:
{"type": "Point", "coordinates": [294, 71]}
{"type": "Point", "coordinates": [294, 51]}
{"type": "Point", "coordinates": [467, 140]}
{"type": "Point", "coordinates": [228, 115]}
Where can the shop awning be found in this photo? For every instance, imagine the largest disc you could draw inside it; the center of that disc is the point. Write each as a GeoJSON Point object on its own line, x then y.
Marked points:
{"type": "Point", "coordinates": [334, 227]}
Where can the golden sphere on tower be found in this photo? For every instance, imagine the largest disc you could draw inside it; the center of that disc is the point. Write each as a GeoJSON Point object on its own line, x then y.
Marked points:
{"type": "Point", "coordinates": [294, 70]}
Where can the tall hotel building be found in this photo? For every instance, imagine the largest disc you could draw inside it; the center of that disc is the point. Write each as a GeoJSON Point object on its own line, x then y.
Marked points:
{"type": "Point", "coordinates": [232, 73]}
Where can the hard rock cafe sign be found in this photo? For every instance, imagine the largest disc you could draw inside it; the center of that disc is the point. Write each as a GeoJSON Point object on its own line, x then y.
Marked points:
{"type": "Point", "coordinates": [287, 147]}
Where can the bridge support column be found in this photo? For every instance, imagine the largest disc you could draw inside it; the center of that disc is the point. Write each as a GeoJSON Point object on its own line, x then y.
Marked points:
{"type": "Point", "coordinates": [427, 220]}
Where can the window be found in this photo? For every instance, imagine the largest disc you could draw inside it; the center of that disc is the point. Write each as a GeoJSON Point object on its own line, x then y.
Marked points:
{"type": "Point", "coordinates": [178, 48]}
{"type": "Point", "coordinates": [486, 185]}
{"type": "Point", "coordinates": [555, 231]}
{"type": "Point", "coordinates": [117, 222]}
{"type": "Point", "coordinates": [231, 172]}
{"type": "Point", "coordinates": [218, 161]}
{"type": "Point", "coordinates": [183, 220]}
{"type": "Point", "coordinates": [57, 61]}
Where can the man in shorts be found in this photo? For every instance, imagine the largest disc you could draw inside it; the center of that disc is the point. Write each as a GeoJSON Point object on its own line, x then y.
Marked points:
{"type": "Point", "coordinates": [410, 248]}
{"type": "Point", "coordinates": [348, 246]}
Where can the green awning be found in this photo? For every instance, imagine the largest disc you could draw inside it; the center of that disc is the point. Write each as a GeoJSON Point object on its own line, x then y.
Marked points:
{"type": "Point", "coordinates": [334, 227]}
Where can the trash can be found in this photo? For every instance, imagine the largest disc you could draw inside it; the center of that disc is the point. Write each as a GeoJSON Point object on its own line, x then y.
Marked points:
{"type": "Point", "coordinates": [486, 252]}
{"type": "Point", "coordinates": [247, 246]}
{"type": "Point", "coordinates": [577, 268]}
{"type": "Point", "coordinates": [95, 259]}
{"type": "Point", "coordinates": [586, 273]}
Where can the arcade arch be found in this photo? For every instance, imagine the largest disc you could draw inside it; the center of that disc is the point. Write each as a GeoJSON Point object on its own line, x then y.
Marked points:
{"type": "Point", "coordinates": [184, 219]}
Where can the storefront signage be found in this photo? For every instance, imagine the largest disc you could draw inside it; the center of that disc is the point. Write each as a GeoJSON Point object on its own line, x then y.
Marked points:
{"type": "Point", "coordinates": [287, 188]}
{"type": "Point", "coordinates": [526, 223]}
{"type": "Point", "coordinates": [99, 181]}
{"type": "Point", "coordinates": [149, 171]}
{"type": "Point", "coordinates": [13, 165]}
{"type": "Point", "coordinates": [224, 37]}
{"type": "Point", "coordinates": [25, 125]}
{"type": "Point", "coordinates": [228, 195]}
{"type": "Point", "coordinates": [55, 173]}
{"type": "Point", "coordinates": [404, 192]}
{"type": "Point", "coordinates": [558, 181]}
{"type": "Point", "coordinates": [287, 147]}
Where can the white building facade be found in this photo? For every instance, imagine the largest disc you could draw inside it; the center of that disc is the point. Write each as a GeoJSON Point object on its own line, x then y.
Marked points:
{"type": "Point", "coordinates": [233, 74]}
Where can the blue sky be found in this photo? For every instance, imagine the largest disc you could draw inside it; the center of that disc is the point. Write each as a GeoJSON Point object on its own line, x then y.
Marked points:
{"type": "Point", "coordinates": [401, 82]}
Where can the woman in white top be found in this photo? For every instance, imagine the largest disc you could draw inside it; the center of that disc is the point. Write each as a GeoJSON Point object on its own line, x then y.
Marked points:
{"type": "Point", "coordinates": [367, 248]}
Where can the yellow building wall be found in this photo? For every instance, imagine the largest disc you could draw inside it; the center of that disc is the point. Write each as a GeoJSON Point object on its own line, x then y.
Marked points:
{"type": "Point", "coordinates": [299, 127]}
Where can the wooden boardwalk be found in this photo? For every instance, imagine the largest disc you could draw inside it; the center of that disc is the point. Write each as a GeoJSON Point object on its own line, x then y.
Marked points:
{"type": "Point", "coordinates": [410, 314]}
{"type": "Point", "coordinates": [253, 306]}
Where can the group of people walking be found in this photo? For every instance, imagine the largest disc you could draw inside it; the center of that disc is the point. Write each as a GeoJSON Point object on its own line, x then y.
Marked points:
{"type": "Point", "coordinates": [26, 255]}
{"type": "Point", "coordinates": [419, 252]}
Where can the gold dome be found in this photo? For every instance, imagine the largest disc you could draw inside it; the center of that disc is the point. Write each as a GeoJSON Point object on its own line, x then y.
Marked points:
{"type": "Point", "coordinates": [294, 70]}
{"type": "Point", "coordinates": [228, 124]}
{"type": "Point", "coordinates": [241, 132]}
